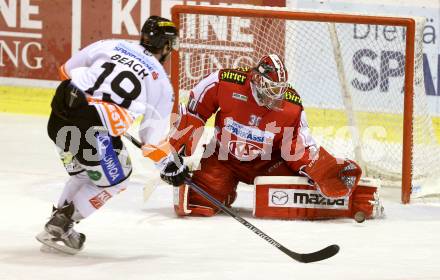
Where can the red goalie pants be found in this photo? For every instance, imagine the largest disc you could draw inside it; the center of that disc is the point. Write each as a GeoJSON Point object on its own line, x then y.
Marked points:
{"type": "Point", "coordinates": [220, 179]}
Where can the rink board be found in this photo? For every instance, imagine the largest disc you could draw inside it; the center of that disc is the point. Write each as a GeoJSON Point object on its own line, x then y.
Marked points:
{"type": "Point", "coordinates": [326, 123]}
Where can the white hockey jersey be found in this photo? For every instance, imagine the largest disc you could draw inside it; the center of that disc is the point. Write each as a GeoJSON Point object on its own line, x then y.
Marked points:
{"type": "Point", "coordinates": [124, 81]}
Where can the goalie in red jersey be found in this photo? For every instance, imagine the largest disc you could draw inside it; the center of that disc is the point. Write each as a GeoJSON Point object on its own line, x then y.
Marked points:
{"type": "Point", "coordinates": [260, 130]}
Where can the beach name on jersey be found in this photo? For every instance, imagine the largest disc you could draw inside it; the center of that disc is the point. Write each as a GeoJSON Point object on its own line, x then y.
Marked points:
{"type": "Point", "coordinates": [137, 67]}
{"type": "Point", "coordinates": [133, 60]}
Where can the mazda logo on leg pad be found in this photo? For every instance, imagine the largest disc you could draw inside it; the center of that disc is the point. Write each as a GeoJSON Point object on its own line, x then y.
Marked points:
{"type": "Point", "coordinates": [280, 198]}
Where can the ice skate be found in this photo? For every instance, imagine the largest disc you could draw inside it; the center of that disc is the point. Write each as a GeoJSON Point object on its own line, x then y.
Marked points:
{"type": "Point", "coordinates": [59, 234]}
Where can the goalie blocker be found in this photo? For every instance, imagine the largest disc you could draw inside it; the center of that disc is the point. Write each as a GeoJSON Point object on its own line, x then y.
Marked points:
{"type": "Point", "coordinates": [292, 197]}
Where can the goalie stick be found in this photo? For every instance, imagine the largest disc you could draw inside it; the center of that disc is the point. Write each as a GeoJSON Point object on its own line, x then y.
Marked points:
{"type": "Point", "coordinates": [320, 255]}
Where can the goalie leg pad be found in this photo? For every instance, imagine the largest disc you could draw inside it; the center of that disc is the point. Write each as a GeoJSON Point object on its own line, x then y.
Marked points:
{"type": "Point", "coordinates": [182, 208]}
{"type": "Point", "coordinates": [367, 200]}
{"type": "Point", "coordinates": [214, 178]}
{"type": "Point", "coordinates": [291, 197]}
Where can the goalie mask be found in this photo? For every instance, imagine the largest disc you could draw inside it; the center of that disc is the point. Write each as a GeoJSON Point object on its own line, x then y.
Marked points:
{"type": "Point", "coordinates": [269, 82]}
{"type": "Point", "coordinates": [159, 35]}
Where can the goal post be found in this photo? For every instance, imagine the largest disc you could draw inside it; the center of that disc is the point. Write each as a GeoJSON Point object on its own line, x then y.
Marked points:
{"type": "Point", "coordinates": [358, 76]}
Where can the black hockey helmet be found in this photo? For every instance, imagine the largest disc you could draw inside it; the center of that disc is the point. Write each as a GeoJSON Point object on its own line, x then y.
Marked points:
{"type": "Point", "coordinates": [157, 32]}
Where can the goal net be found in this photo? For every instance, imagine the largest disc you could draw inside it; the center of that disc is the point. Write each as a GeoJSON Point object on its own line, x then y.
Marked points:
{"type": "Point", "coordinates": [360, 79]}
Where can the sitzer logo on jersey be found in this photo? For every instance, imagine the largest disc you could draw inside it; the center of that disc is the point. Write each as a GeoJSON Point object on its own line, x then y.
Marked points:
{"type": "Point", "coordinates": [233, 77]}
{"type": "Point", "coordinates": [292, 96]}
{"type": "Point", "coordinates": [296, 198]}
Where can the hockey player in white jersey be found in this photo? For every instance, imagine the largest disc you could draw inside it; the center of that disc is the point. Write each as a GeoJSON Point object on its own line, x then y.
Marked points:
{"type": "Point", "coordinates": [106, 86]}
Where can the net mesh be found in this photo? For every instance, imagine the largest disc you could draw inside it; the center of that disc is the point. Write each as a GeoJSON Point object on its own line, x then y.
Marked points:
{"type": "Point", "coordinates": [350, 77]}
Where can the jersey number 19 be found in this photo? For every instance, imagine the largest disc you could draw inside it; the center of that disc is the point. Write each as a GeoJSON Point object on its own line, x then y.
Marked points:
{"type": "Point", "coordinates": [116, 85]}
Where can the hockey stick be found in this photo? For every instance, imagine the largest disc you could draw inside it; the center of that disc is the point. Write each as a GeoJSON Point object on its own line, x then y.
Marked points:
{"type": "Point", "coordinates": [320, 255]}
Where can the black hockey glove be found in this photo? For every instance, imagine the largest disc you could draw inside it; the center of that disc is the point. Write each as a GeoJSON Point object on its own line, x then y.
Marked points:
{"type": "Point", "coordinates": [175, 172]}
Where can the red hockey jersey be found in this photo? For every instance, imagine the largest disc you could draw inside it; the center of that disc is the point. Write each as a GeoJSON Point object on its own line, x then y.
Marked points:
{"type": "Point", "coordinates": [248, 132]}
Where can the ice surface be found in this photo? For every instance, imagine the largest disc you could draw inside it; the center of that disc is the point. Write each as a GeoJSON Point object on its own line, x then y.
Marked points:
{"type": "Point", "coordinates": [129, 239]}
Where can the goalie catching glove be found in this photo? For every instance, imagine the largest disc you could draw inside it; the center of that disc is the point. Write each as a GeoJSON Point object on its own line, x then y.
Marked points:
{"type": "Point", "coordinates": [333, 177]}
